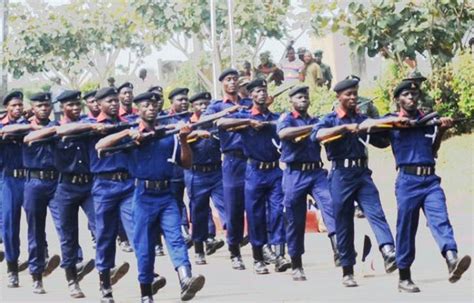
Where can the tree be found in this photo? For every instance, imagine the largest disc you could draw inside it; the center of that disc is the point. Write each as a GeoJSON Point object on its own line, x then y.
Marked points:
{"type": "Point", "coordinates": [76, 42]}
{"type": "Point", "coordinates": [186, 25]}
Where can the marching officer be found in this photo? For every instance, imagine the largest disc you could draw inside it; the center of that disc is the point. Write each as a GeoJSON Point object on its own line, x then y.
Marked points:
{"type": "Point", "coordinates": [179, 104]}
{"type": "Point", "coordinates": [263, 189]}
{"type": "Point", "coordinates": [112, 191]}
{"type": "Point", "coordinates": [73, 191]}
{"type": "Point", "coordinates": [14, 179]}
{"type": "Point", "coordinates": [40, 185]}
{"type": "Point", "coordinates": [233, 166]}
{"type": "Point", "coordinates": [350, 178]}
{"type": "Point", "coordinates": [418, 187]}
{"type": "Point", "coordinates": [125, 95]}
{"type": "Point", "coordinates": [91, 103]}
{"type": "Point", "coordinates": [154, 204]}
{"type": "Point", "coordinates": [204, 181]}
{"type": "Point", "coordinates": [304, 175]}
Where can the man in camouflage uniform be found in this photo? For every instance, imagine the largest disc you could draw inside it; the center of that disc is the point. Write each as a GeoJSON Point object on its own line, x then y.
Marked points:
{"type": "Point", "coordinates": [325, 69]}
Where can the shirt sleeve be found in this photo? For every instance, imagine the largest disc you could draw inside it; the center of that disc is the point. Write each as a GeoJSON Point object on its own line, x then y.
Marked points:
{"type": "Point", "coordinates": [211, 109]}
{"type": "Point", "coordinates": [325, 122]}
{"type": "Point", "coordinates": [284, 122]}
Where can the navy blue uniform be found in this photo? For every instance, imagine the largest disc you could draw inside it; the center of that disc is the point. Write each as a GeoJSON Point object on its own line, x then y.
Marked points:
{"type": "Point", "coordinates": [204, 181]}
{"type": "Point", "coordinates": [233, 174]}
{"type": "Point", "coordinates": [73, 191]}
{"type": "Point", "coordinates": [40, 186]}
{"type": "Point", "coordinates": [112, 197]}
{"type": "Point", "coordinates": [154, 205]}
{"type": "Point", "coordinates": [12, 192]}
{"type": "Point", "coordinates": [413, 147]}
{"type": "Point", "coordinates": [263, 189]}
{"type": "Point", "coordinates": [350, 180]}
{"type": "Point", "coordinates": [303, 176]}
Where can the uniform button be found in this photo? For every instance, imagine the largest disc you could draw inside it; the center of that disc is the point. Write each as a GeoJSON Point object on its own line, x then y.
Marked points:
{"type": "Point", "coordinates": [80, 161]}
{"type": "Point", "coordinates": [78, 148]}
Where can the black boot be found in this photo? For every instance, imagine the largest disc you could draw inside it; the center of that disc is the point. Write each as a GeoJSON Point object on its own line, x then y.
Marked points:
{"type": "Point", "coordinates": [281, 263]}
{"type": "Point", "coordinates": [190, 285]}
{"type": "Point", "coordinates": [12, 269]}
{"type": "Point", "coordinates": [74, 289]}
{"type": "Point", "coordinates": [2, 255]}
{"type": "Point", "coordinates": [212, 245]}
{"type": "Point", "coordinates": [187, 237]}
{"type": "Point", "coordinates": [118, 272]}
{"type": "Point", "coordinates": [146, 293]}
{"type": "Point", "coordinates": [158, 283]}
{"type": "Point", "coordinates": [405, 284]}
{"type": "Point", "coordinates": [389, 258]}
{"type": "Point", "coordinates": [259, 266]}
{"type": "Point", "coordinates": [337, 257]}
{"type": "Point", "coordinates": [456, 267]}
{"type": "Point", "coordinates": [245, 241]}
{"type": "Point", "coordinates": [51, 265]}
{"type": "Point", "coordinates": [297, 269]}
{"type": "Point", "coordinates": [38, 284]}
{"type": "Point", "coordinates": [236, 258]}
{"type": "Point", "coordinates": [348, 277]}
{"type": "Point", "coordinates": [84, 269]}
{"type": "Point", "coordinates": [105, 287]}
{"type": "Point", "coordinates": [199, 250]}
{"type": "Point", "coordinates": [269, 256]}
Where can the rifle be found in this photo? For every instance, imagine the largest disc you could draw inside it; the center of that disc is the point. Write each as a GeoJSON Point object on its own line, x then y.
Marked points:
{"type": "Point", "coordinates": [162, 132]}
{"type": "Point", "coordinates": [159, 118]}
{"type": "Point", "coordinates": [428, 120]}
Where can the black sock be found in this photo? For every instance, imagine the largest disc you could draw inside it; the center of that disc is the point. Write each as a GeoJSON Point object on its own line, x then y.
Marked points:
{"type": "Point", "coordinates": [146, 290]}
{"type": "Point", "coordinates": [347, 270]}
{"type": "Point", "coordinates": [234, 251]}
{"type": "Point", "coordinates": [296, 262]}
{"type": "Point", "coordinates": [404, 273]}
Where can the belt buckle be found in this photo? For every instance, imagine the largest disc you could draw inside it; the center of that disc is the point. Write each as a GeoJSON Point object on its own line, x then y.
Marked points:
{"type": "Point", "coordinates": [303, 167]}
{"type": "Point", "coordinates": [41, 174]}
{"type": "Point", "coordinates": [346, 163]}
{"type": "Point", "coordinates": [418, 170]}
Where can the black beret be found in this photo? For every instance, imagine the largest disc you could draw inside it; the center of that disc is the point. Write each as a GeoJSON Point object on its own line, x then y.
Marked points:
{"type": "Point", "coordinates": [41, 97]}
{"type": "Point", "coordinates": [226, 72]}
{"type": "Point", "coordinates": [69, 95]}
{"type": "Point", "coordinates": [105, 92]}
{"type": "Point", "coordinates": [199, 96]}
{"type": "Point", "coordinates": [14, 94]}
{"type": "Point", "coordinates": [256, 83]}
{"type": "Point", "coordinates": [178, 91]}
{"type": "Point", "coordinates": [298, 89]}
{"type": "Point", "coordinates": [126, 84]}
{"type": "Point", "coordinates": [89, 94]}
{"type": "Point", "coordinates": [156, 87]}
{"type": "Point", "coordinates": [345, 84]}
{"type": "Point", "coordinates": [404, 85]}
{"type": "Point", "coordinates": [147, 96]}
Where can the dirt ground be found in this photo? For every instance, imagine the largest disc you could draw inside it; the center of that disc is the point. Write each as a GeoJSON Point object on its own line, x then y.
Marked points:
{"type": "Point", "coordinates": [223, 284]}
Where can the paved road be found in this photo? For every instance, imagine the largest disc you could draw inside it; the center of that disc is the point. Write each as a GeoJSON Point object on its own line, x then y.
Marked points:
{"type": "Point", "coordinates": [324, 281]}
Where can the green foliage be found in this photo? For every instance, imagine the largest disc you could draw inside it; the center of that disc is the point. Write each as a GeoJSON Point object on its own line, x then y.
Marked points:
{"type": "Point", "coordinates": [90, 86]}
{"type": "Point", "coordinates": [463, 84]}
{"type": "Point", "coordinates": [64, 39]}
{"type": "Point", "coordinates": [399, 29]}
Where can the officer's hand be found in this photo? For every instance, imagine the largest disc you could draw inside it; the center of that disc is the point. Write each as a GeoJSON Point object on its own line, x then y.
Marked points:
{"type": "Point", "coordinates": [352, 128]}
{"type": "Point", "coordinates": [35, 127]}
{"type": "Point", "coordinates": [135, 135]}
{"type": "Point", "coordinates": [100, 128]}
{"type": "Point", "coordinates": [184, 131]}
{"type": "Point", "coordinates": [368, 124]}
{"type": "Point", "coordinates": [446, 122]}
{"type": "Point", "coordinates": [256, 124]}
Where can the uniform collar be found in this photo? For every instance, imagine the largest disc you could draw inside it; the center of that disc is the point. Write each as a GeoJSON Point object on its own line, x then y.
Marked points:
{"type": "Point", "coordinates": [231, 98]}
{"type": "Point", "coordinates": [341, 113]}
{"type": "Point", "coordinates": [403, 113]}
{"type": "Point", "coordinates": [195, 118]}
{"type": "Point", "coordinates": [254, 111]}
{"type": "Point", "coordinates": [102, 118]}
{"type": "Point", "coordinates": [5, 120]}
{"type": "Point", "coordinates": [90, 115]}
{"type": "Point", "coordinates": [142, 127]}
{"type": "Point", "coordinates": [297, 115]}
{"type": "Point", "coordinates": [36, 122]}
{"type": "Point", "coordinates": [122, 112]}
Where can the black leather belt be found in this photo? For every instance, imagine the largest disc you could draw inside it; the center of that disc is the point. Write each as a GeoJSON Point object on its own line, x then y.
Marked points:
{"type": "Point", "coordinates": [17, 173]}
{"type": "Point", "coordinates": [75, 178]}
{"type": "Point", "coordinates": [238, 153]}
{"type": "Point", "coordinates": [119, 176]}
{"type": "Point", "coordinates": [205, 168]}
{"type": "Point", "coordinates": [305, 166]}
{"type": "Point", "coordinates": [418, 170]}
{"type": "Point", "coordinates": [263, 165]}
{"type": "Point", "coordinates": [350, 163]}
{"type": "Point", "coordinates": [42, 174]}
{"type": "Point", "coordinates": [154, 184]}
